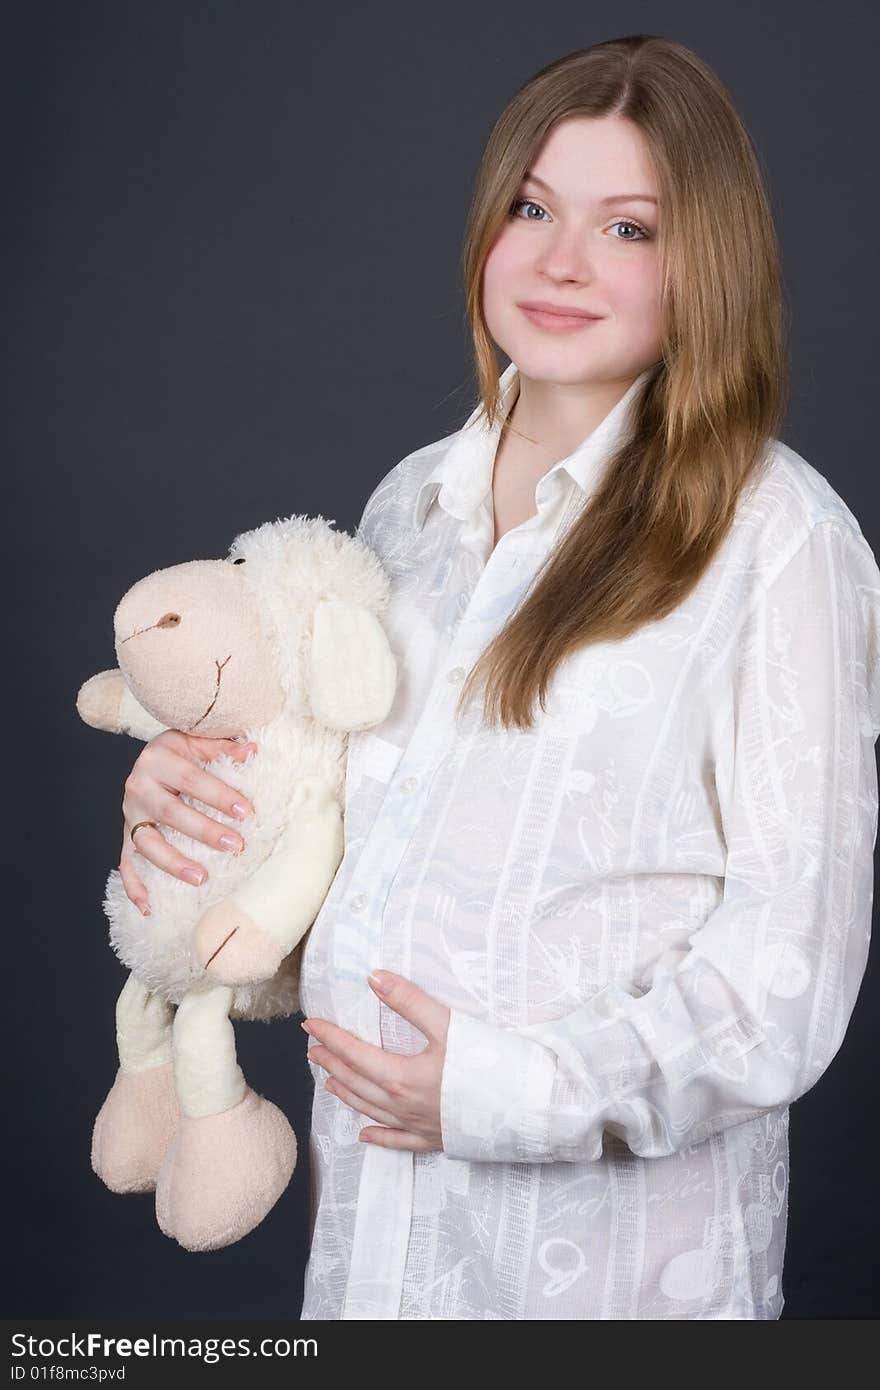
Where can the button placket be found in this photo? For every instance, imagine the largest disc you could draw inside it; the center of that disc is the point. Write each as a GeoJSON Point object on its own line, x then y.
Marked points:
{"type": "Point", "coordinates": [423, 737]}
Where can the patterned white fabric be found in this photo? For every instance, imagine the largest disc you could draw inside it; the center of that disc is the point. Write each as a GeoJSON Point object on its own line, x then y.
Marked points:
{"type": "Point", "coordinates": [649, 915]}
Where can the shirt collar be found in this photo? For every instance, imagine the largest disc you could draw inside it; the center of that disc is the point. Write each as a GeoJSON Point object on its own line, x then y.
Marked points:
{"type": "Point", "coordinates": [462, 476]}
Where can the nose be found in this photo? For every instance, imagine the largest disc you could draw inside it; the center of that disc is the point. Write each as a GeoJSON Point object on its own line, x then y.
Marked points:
{"type": "Point", "coordinates": [169, 620]}
{"type": "Point", "coordinates": [564, 255]}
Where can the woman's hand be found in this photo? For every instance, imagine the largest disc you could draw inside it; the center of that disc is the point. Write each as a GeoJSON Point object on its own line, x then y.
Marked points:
{"type": "Point", "coordinates": [166, 767]}
{"type": "Point", "coordinates": [403, 1092]}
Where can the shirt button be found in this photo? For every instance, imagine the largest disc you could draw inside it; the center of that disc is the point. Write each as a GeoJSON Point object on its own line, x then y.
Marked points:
{"type": "Point", "coordinates": [410, 784]}
{"type": "Point", "coordinates": [456, 675]}
{"type": "Point", "coordinates": [358, 903]}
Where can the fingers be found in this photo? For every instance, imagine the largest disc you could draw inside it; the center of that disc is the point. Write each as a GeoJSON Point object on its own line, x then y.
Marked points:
{"type": "Point", "coordinates": [151, 843]}
{"type": "Point", "coordinates": [166, 768]}
{"type": "Point", "coordinates": [131, 882]}
{"type": "Point", "coordinates": [175, 764]}
{"type": "Point", "coordinates": [197, 826]}
{"type": "Point", "coordinates": [355, 1102]}
{"type": "Point", "coordinates": [179, 774]}
{"type": "Point", "coordinates": [345, 1078]}
{"type": "Point", "coordinates": [162, 772]}
{"type": "Point", "coordinates": [209, 749]}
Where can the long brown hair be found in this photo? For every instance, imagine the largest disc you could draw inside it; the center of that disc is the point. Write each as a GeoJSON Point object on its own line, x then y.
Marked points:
{"type": "Point", "coordinates": [702, 420]}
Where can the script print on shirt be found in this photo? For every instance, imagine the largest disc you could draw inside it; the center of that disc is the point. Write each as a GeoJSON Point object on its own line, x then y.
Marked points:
{"type": "Point", "coordinates": [558, 903]}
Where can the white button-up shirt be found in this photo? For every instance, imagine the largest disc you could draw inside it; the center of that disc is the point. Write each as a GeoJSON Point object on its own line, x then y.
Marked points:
{"type": "Point", "coordinates": [649, 915]}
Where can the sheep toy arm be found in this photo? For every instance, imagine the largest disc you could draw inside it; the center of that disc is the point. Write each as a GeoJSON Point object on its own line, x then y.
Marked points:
{"type": "Point", "coordinates": [245, 937]}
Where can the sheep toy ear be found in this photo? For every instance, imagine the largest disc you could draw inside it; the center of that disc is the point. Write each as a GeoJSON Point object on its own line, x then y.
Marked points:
{"type": "Point", "coordinates": [105, 702]}
{"type": "Point", "coordinates": [352, 672]}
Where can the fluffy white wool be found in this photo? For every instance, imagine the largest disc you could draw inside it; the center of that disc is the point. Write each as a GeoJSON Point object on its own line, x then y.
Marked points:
{"type": "Point", "coordinates": [293, 563]}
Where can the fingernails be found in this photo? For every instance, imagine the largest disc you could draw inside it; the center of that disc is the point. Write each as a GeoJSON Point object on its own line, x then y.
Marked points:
{"type": "Point", "coordinates": [231, 842]}
{"type": "Point", "coordinates": [144, 908]}
{"type": "Point", "coordinates": [194, 876]}
{"type": "Point", "coordinates": [240, 811]}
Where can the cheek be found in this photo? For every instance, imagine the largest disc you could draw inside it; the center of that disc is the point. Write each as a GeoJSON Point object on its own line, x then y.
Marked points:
{"type": "Point", "coordinates": [505, 277]}
{"type": "Point", "coordinates": [634, 286]}
{"type": "Point", "coordinates": [504, 264]}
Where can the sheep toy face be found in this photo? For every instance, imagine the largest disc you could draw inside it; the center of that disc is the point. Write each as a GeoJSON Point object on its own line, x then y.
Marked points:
{"type": "Point", "coordinates": [191, 646]}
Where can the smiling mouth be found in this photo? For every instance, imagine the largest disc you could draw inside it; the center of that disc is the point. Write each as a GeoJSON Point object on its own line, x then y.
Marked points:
{"type": "Point", "coordinates": [203, 717]}
{"type": "Point", "coordinates": [543, 318]}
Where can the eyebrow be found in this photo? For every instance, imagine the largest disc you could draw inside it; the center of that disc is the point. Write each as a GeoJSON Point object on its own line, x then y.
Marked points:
{"type": "Point", "coordinates": [612, 198]}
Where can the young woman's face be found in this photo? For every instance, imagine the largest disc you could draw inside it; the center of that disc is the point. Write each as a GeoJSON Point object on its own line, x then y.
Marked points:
{"type": "Point", "coordinates": [572, 240]}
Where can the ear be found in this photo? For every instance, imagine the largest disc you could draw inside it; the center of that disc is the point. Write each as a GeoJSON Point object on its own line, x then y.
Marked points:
{"type": "Point", "coordinates": [105, 702]}
{"type": "Point", "coordinates": [352, 673]}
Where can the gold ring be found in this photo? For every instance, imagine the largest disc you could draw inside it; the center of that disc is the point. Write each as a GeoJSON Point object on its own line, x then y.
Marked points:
{"type": "Point", "coordinates": [140, 825]}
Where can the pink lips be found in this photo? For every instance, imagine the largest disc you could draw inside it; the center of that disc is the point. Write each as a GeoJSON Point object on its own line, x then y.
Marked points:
{"type": "Point", "coordinates": [557, 320]}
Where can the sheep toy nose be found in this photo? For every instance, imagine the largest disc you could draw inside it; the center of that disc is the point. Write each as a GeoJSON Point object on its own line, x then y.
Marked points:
{"type": "Point", "coordinates": [169, 620]}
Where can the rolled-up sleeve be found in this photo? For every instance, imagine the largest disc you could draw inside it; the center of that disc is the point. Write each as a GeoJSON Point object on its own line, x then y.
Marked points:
{"type": "Point", "coordinates": [751, 1014]}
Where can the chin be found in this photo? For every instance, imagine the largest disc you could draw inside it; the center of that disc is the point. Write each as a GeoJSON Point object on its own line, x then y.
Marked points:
{"type": "Point", "coordinates": [567, 364]}
{"type": "Point", "coordinates": [558, 364]}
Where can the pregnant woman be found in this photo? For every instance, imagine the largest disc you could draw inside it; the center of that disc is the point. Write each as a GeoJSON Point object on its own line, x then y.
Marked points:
{"type": "Point", "coordinates": [612, 849]}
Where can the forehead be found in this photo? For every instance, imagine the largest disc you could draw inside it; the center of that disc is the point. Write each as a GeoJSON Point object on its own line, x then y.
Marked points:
{"type": "Point", "coordinates": [592, 157]}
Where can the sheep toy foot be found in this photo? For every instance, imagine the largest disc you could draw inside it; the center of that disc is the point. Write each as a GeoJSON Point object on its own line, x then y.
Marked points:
{"type": "Point", "coordinates": [134, 1127]}
{"type": "Point", "coordinates": [223, 1173]}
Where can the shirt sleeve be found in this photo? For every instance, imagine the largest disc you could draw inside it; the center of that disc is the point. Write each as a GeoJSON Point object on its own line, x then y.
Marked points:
{"type": "Point", "coordinates": [753, 1012]}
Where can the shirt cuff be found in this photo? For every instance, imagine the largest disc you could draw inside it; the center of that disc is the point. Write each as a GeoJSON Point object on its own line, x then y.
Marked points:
{"type": "Point", "coordinates": [495, 1094]}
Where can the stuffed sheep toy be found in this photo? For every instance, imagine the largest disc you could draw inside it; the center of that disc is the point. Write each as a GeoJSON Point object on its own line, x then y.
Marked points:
{"type": "Point", "coordinates": [280, 644]}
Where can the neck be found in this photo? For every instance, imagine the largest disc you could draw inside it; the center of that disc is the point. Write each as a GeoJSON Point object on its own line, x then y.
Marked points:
{"type": "Point", "coordinates": [552, 419]}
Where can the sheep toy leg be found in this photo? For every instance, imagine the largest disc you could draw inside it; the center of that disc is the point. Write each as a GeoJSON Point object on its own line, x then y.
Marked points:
{"type": "Point", "coordinates": [233, 1152]}
{"type": "Point", "coordinates": [137, 1120]}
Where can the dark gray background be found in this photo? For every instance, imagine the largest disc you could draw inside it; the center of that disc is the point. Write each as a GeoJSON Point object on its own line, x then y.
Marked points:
{"type": "Point", "coordinates": [233, 237]}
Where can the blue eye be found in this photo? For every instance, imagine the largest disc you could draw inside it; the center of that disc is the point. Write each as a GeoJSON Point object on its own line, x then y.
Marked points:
{"type": "Point", "coordinates": [525, 202]}
{"type": "Point", "coordinates": [621, 221]}
{"type": "Point", "coordinates": [628, 222]}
